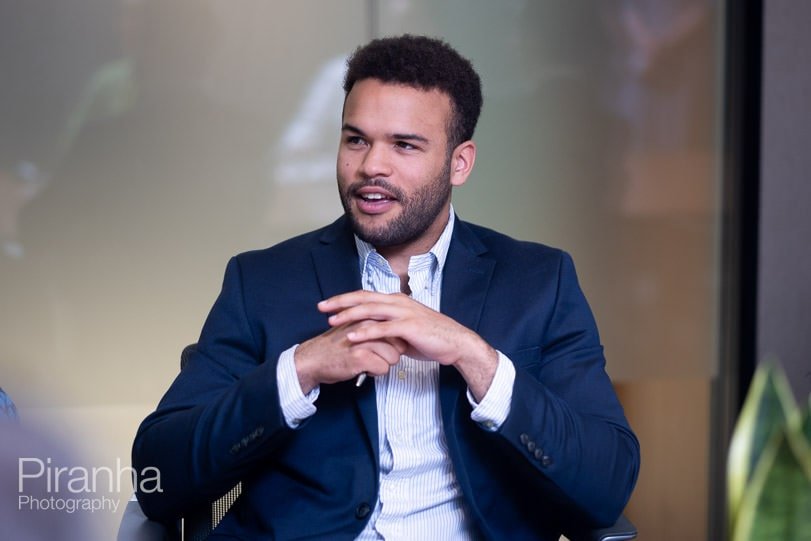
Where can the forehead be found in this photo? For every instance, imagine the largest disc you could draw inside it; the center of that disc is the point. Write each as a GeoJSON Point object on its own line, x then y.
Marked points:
{"type": "Point", "coordinates": [394, 108]}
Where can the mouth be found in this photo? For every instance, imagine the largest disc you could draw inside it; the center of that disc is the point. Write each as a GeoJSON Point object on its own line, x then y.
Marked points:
{"type": "Point", "coordinates": [374, 199]}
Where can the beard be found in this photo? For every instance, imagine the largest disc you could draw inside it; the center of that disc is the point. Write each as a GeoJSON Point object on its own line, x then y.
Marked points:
{"type": "Point", "coordinates": [418, 211]}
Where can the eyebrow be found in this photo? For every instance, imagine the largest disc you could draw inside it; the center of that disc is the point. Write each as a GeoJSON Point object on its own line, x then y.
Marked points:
{"type": "Point", "coordinates": [397, 136]}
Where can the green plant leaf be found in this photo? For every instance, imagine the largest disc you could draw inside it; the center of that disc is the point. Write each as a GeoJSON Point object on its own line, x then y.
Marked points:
{"type": "Point", "coordinates": [769, 403]}
{"type": "Point", "coordinates": [777, 503]}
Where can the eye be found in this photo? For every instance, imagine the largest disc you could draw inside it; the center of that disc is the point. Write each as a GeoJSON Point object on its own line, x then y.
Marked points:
{"type": "Point", "coordinates": [404, 145]}
{"type": "Point", "coordinates": [354, 140]}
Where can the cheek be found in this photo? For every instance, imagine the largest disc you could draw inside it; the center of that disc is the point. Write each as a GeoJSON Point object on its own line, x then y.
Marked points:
{"type": "Point", "coordinates": [344, 162]}
{"type": "Point", "coordinates": [344, 173]}
{"type": "Point", "coordinates": [344, 168]}
{"type": "Point", "coordinates": [347, 167]}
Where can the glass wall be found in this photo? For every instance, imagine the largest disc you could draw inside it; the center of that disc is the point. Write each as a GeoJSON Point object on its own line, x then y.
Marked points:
{"type": "Point", "coordinates": [144, 142]}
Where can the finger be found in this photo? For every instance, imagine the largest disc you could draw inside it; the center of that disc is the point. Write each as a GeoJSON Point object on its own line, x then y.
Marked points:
{"type": "Point", "coordinates": [342, 301]}
{"type": "Point", "coordinates": [354, 298]}
{"type": "Point", "coordinates": [375, 311]}
{"type": "Point", "coordinates": [399, 344]}
{"type": "Point", "coordinates": [370, 353]}
{"type": "Point", "coordinates": [383, 347]}
{"type": "Point", "coordinates": [418, 341]}
{"type": "Point", "coordinates": [385, 330]}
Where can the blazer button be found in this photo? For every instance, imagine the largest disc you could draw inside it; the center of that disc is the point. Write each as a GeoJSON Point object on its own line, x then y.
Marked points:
{"type": "Point", "coordinates": [546, 461]}
{"type": "Point", "coordinates": [524, 439]}
{"type": "Point", "coordinates": [362, 511]}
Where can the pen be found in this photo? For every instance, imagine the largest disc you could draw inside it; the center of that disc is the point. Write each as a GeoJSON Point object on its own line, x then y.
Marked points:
{"type": "Point", "coordinates": [361, 379]}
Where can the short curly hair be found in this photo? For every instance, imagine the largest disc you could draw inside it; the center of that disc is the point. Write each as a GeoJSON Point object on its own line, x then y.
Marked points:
{"type": "Point", "coordinates": [424, 63]}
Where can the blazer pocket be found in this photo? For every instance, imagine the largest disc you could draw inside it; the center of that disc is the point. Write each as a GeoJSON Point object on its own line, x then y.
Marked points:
{"type": "Point", "coordinates": [526, 358]}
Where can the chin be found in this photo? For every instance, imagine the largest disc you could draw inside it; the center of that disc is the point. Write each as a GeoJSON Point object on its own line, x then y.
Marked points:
{"type": "Point", "coordinates": [373, 235]}
{"type": "Point", "coordinates": [372, 221]}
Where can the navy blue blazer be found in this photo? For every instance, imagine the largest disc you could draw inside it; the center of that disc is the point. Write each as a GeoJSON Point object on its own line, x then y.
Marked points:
{"type": "Point", "coordinates": [565, 455]}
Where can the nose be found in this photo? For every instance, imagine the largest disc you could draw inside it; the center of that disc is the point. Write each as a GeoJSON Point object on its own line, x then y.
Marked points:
{"type": "Point", "coordinates": [376, 162]}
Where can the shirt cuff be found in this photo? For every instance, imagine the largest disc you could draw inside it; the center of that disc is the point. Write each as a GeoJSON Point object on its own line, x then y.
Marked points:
{"type": "Point", "coordinates": [296, 407]}
{"type": "Point", "coordinates": [494, 408]}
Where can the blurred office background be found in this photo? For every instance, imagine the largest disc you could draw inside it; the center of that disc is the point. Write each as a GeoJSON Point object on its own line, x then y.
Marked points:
{"type": "Point", "coordinates": [144, 142]}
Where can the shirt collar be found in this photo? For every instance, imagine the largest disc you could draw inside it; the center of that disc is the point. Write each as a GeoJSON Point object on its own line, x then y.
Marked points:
{"type": "Point", "coordinates": [439, 249]}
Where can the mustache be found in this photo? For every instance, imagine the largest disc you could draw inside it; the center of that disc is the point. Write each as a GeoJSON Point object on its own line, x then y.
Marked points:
{"type": "Point", "coordinates": [377, 183]}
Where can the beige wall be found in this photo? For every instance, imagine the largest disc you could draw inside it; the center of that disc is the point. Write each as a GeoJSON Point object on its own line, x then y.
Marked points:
{"type": "Point", "coordinates": [670, 419]}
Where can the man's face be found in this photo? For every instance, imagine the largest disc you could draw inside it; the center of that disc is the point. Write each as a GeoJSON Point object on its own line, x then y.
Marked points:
{"type": "Point", "coordinates": [393, 164]}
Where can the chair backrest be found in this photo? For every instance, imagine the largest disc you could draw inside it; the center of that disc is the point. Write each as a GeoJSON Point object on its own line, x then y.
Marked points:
{"type": "Point", "coordinates": [198, 525]}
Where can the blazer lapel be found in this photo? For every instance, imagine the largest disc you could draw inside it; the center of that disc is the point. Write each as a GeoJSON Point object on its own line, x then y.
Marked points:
{"type": "Point", "coordinates": [466, 277]}
{"type": "Point", "coordinates": [335, 259]}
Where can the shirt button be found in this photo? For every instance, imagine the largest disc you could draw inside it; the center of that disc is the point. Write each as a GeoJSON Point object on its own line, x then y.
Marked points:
{"type": "Point", "coordinates": [401, 374]}
{"type": "Point", "coordinates": [362, 511]}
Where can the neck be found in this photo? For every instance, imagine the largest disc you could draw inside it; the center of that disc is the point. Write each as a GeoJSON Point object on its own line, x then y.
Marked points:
{"type": "Point", "coordinates": [400, 255]}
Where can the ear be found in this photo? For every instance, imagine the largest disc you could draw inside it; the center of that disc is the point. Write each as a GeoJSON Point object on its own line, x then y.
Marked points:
{"type": "Point", "coordinates": [462, 160]}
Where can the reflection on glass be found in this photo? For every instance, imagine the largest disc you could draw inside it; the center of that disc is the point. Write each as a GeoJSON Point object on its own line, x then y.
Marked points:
{"type": "Point", "coordinates": [303, 165]}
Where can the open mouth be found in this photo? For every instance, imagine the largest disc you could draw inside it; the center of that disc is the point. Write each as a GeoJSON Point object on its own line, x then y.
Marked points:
{"type": "Point", "coordinates": [374, 200]}
{"type": "Point", "coordinates": [373, 197]}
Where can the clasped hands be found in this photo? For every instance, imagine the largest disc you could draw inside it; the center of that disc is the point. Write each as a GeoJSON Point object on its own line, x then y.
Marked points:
{"type": "Point", "coordinates": [369, 331]}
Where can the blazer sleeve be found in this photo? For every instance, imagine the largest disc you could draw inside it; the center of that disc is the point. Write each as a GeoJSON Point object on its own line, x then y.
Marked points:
{"type": "Point", "coordinates": [220, 417]}
{"type": "Point", "coordinates": [565, 418]}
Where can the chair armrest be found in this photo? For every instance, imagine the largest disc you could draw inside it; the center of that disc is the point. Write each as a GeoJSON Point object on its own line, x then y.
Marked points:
{"type": "Point", "coordinates": [622, 530]}
{"type": "Point", "coordinates": [135, 526]}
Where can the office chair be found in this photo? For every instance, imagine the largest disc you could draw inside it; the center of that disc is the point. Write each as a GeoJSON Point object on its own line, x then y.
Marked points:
{"type": "Point", "coordinates": [198, 525]}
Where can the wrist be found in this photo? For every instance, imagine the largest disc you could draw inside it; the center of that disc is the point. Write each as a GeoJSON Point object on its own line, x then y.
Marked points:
{"type": "Point", "coordinates": [306, 380]}
{"type": "Point", "coordinates": [478, 367]}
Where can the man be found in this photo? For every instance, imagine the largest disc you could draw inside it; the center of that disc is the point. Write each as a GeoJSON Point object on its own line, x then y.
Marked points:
{"type": "Point", "coordinates": [488, 413]}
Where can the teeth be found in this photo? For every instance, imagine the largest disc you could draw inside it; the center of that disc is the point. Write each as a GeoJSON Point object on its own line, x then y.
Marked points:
{"type": "Point", "coordinates": [373, 196]}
